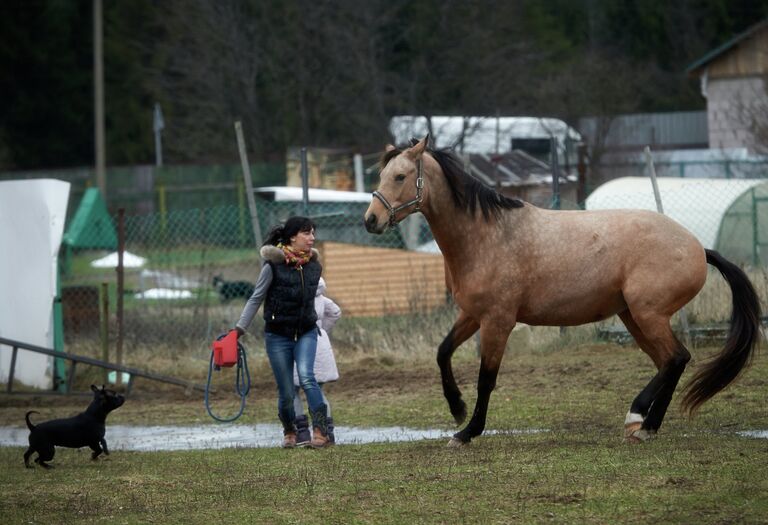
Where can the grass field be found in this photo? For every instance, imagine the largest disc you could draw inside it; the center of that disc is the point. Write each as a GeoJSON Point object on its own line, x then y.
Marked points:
{"type": "Point", "coordinates": [578, 471]}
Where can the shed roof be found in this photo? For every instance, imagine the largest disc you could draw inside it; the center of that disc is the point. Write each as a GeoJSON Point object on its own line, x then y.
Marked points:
{"type": "Point", "coordinates": [712, 55]}
{"type": "Point", "coordinates": [697, 204]}
{"type": "Point", "coordinates": [516, 168]}
{"type": "Point", "coordinates": [296, 194]}
{"type": "Point", "coordinates": [480, 133]}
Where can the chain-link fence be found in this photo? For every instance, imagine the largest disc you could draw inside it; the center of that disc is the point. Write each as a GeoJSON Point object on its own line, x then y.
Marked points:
{"type": "Point", "coordinates": [187, 273]}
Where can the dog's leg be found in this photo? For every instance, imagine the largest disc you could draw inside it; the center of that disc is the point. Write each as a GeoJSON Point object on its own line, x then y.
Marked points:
{"type": "Point", "coordinates": [104, 446]}
{"type": "Point", "coordinates": [27, 454]}
{"type": "Point", "coordinates": [45, 454]}
{"type": "Point", "coordinates": [96, 450]}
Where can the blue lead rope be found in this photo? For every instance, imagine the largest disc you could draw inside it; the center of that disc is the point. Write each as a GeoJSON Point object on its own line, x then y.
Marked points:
{"type": "Point", "coordinates": [242, 383]}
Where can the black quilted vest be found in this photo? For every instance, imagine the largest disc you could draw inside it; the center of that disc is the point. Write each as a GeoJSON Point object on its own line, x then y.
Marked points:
{"type": "Point", "coordinates": [289, 308]}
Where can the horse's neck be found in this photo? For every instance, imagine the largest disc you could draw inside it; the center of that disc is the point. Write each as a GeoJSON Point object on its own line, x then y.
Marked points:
{"type": "Point", "coordinates": [463, 239]}
{"type": "Point", "coordinates": [455, 231]}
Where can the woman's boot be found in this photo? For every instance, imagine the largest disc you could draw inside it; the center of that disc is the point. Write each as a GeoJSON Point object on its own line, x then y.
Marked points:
{"type": "Point", "coordinates": [303, 436]}
{"type": "Point", "coordinates": [289, 433]}
{"type": "Point", "coordinates": [320, 428]}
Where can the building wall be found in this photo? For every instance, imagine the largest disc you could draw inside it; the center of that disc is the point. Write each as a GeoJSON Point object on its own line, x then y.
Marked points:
{"type": "Point", "coordinates": [732, 104]}
{"type": "Point", "coordinates": [329, 169]}
{"type": "Point", "coordinates": [672, 130]}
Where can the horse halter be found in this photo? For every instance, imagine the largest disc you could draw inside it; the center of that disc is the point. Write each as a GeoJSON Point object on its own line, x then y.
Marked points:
{"type": "Point", "coordinates": [416, 202]}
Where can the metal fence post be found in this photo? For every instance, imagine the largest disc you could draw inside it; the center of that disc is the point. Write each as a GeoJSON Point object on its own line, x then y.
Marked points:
{"type": "Point", "coordinates": [660, 208]}
{"type": "Point", "coordinates": [104, 327]}
{"type": "Point", "coordinates": [248, 183]}
{"type": "Point", "coordinates": [304, 182]}
{"type": "Point", "coordinates": [555, 174]}
{"type": "Point", "coordinates": [357, 160]}
{"type": "Point", "coordinates": [120, 287]}
{"type": "Point", "coordinates": [755, 239]}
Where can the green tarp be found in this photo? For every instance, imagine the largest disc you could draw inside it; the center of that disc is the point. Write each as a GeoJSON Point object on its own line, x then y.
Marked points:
{"type": "Point", "coordinates": [91, 227]}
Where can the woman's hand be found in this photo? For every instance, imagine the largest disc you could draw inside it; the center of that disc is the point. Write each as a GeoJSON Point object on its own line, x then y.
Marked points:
{"type": "Point", "coordinates": [239, 331]}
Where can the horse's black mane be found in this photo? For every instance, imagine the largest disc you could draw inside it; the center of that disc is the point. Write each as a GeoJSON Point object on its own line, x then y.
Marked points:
{"type": "Point", "coordinates": [468, 193]}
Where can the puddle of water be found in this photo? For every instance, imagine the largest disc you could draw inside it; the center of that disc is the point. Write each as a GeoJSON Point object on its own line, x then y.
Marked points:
{"type": "Point", "coordinates": [763, 434]}
{"type": "Point", "coordinates": [157, 438]}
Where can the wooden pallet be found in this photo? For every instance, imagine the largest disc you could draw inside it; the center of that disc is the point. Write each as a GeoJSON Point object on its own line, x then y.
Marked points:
{"type": "Point", "coordinates": [369, 281]}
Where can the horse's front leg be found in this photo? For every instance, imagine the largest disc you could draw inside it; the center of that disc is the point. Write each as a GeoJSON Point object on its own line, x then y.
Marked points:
{"type": "Point", "coordinates": [493, 341]}
{"type": "Point", "coordinates": [462, 330]}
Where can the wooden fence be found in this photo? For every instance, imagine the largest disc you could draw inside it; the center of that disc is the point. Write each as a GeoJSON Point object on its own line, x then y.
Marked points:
{"type": "Point", "coordinates": [367, 281]}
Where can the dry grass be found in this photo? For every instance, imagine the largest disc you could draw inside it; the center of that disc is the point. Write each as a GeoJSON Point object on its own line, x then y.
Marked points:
{"type": "Point", "coordinates": [579, 471]}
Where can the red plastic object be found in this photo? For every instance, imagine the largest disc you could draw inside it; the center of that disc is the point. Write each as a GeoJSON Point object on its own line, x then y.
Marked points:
{"type": "Point", "coordinates": [225, 350]}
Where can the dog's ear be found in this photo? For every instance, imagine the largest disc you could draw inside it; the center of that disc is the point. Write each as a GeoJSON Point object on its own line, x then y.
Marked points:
{"type": "Point", "coordinates": [94, 388]}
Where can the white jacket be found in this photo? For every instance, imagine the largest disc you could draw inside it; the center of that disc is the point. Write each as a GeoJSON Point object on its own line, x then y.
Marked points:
{"type": "Point", "coordinates": [328, 313]}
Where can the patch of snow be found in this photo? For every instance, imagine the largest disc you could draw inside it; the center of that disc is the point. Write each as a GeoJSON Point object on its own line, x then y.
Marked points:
{"type": "Point", "coordinates": [164, 293]}
{"type": "Point", "coordinates": [110, 261]}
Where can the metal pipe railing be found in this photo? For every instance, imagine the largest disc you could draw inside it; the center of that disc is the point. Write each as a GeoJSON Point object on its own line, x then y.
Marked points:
{"type": "Point", "coordinates": [75, 359]}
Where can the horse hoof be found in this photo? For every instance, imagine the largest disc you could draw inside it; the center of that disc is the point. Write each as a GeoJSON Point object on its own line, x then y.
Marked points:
{"type": "Point", "coordinates": [456, 443]}
{"type": "Point", "coordinates": [631, 428]}
{"type": "Point", "coordinates": [640, 436]}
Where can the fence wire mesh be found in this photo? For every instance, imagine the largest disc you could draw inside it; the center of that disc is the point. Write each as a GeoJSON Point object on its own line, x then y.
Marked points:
{"type": "Point", "coordinates": [187, 272]}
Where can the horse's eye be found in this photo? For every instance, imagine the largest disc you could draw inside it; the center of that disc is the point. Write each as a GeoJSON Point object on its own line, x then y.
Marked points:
{"type": "Point", "coordinates": [399, 178]}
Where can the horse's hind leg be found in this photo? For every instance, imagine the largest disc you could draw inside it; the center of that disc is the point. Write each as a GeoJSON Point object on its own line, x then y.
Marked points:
{"type": "Point", "coordinates": [462, 330]}
{"type": "Point", "coordinates": [493, 341]}
{"type": "Point", "coordinates": [654, 336]}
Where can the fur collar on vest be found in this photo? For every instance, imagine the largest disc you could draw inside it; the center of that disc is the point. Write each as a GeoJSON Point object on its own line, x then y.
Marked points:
{"type": "Point", "coordinates": [275, 255]}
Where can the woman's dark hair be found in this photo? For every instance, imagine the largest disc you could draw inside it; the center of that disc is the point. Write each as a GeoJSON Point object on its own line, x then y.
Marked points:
{"type": "Point", "coordinates": [282, 233]}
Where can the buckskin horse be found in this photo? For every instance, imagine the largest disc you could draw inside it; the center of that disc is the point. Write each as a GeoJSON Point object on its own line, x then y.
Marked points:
{"type": "Point", "coordinates": [507, 261]}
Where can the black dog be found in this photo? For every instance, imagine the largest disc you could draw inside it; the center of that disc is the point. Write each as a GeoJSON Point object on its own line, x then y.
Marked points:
{"type": "Point", "coordinates": [231, 289]}
{"type": "Point", "coordinates": [84, 430]}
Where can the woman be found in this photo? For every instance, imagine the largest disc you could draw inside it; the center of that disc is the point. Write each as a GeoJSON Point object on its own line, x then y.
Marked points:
{"type": "Point", "coordinates": [287, 285]}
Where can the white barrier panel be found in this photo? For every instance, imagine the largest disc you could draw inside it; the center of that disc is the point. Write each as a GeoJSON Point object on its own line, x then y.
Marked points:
{"type": "Point", "coordinates": [32, 215]}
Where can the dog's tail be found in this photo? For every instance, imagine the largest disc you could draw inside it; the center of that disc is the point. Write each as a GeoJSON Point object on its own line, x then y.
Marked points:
{"type": "Point", "coordinates": [30, 426]}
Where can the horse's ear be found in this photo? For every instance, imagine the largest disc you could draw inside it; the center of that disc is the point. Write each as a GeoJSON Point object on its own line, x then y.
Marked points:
{"type": "Point", "coordinates": [389, 147]}
{"type": "Point", "coordinates": [417, 150]}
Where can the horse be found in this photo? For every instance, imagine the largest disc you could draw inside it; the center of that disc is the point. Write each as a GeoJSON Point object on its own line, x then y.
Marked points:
{"type": "Point", "coordinates": [507, 261]}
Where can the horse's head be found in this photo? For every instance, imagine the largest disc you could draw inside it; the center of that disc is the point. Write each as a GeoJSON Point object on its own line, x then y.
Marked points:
{"type": "Point", "coordinates": [401, 182]}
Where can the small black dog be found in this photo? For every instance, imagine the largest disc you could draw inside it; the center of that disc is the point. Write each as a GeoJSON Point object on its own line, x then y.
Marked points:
{"type": "Point", "coordinates": [232, 289]}
{"type": "Point", "coordinates": [84, 430]}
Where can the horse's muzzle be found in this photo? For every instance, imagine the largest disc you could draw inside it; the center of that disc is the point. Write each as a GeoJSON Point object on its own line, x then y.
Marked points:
{"type": "Point", "coordinates": [371, 224]}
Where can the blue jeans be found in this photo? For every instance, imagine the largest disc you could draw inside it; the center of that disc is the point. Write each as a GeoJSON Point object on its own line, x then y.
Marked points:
{"type": "Point", "coordinates": [283, 352]}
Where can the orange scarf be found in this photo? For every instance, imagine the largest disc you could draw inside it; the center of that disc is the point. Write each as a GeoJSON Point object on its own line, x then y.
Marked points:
{"type": "Point", "coordinates": [296, 258]}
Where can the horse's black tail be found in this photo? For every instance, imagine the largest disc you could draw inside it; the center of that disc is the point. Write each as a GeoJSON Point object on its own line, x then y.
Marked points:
{"type": "Point", "coordinates": [743, 337]}
{"type": "Point", "coordinates": [30, 426]}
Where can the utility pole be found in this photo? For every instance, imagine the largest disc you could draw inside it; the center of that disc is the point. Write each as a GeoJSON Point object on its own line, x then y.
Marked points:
{"type": "Point", "coordinates": [98, 97]}
{"type": "Point", "coordinates": [158, 125]}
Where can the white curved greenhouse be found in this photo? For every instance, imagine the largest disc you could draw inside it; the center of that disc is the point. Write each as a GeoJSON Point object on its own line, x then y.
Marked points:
{"type": "Point", "coordinates": [729, 215]}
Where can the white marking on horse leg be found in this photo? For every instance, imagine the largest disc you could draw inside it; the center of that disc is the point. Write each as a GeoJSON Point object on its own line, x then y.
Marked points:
{"type": "Point", "coordinates": [632, 423]}
{"type": "Point", "coordinates": [633, 418]}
